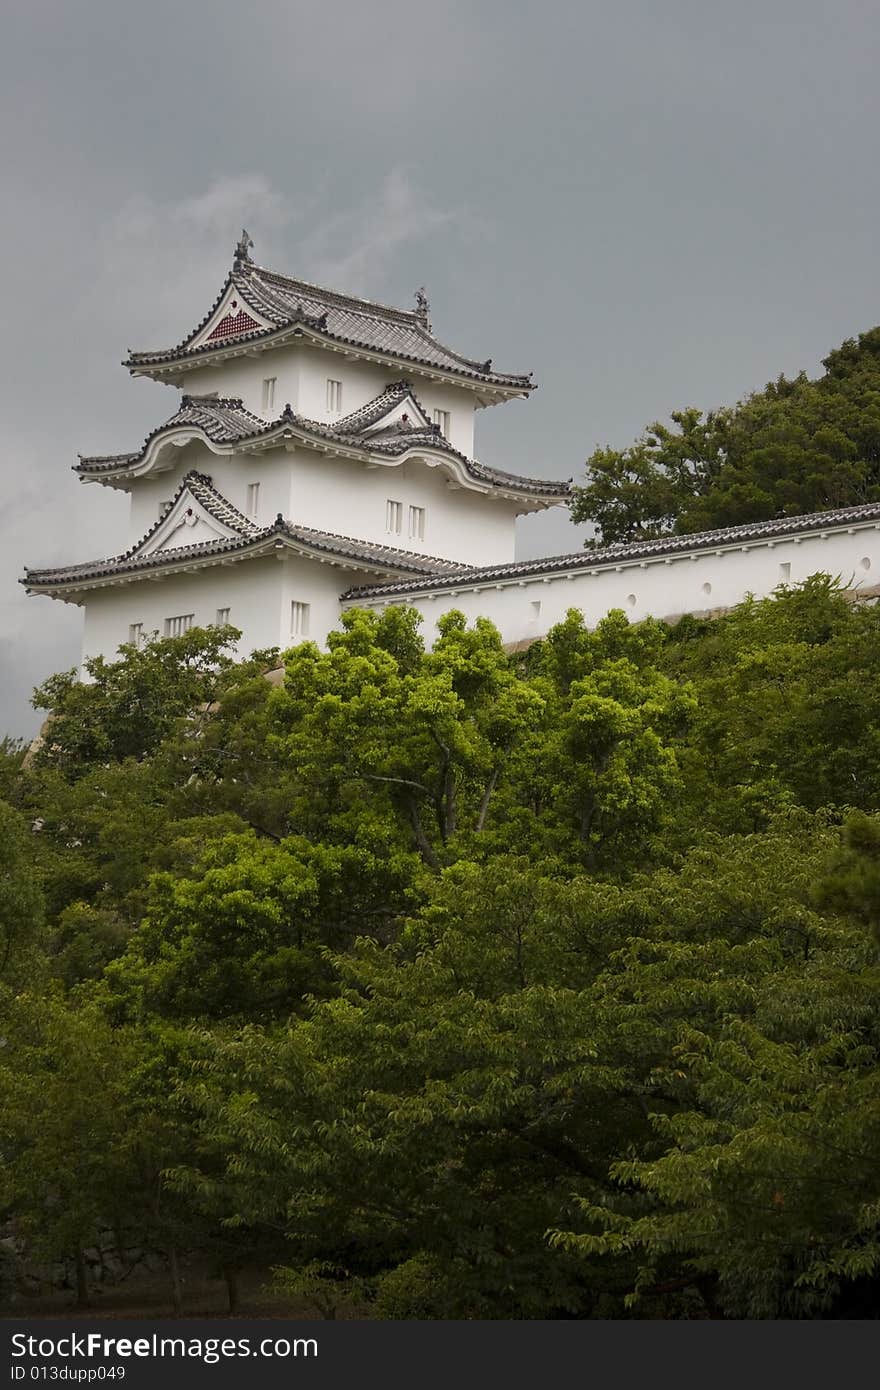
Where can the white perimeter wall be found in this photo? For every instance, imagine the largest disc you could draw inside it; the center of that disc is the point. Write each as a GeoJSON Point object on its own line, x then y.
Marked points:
{"type": "Point", "coordinates": [699, 582]}
{"type": "Point", "coordinates": [259, 592]}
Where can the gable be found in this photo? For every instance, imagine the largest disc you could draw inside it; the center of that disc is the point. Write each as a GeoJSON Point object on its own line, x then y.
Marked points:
{"type": "Point", "coordinates": [187, 522]}
{"type": "Point", "coordinates": [233, 318]}
{"type": "Point", "coordinates": [405, 414]}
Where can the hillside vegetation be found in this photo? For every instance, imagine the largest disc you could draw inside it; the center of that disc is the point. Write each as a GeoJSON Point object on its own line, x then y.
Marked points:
{"type": "Point", "coordinates": [452, 984]}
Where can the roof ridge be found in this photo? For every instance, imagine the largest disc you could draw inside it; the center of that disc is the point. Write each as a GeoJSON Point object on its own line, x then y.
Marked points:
{"type": "Point", "coordinates": [369, 308]}
{"type": "Point", "coordinates": [373, 410]}
{"type": "Point", "coordinates": [357, 303]}
{"type": "Point", "coordinates": [365, 553]}
{"type": "Point", "coordinates": [381, 329]}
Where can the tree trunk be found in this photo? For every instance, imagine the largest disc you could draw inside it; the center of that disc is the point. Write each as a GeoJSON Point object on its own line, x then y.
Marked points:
{"type": "Point", "coordinates": [487, 797]}
{"type": "Point", "coordinates": [230, 1274]}
{"type": "Point", "coordinates": [422, 841]}
{"type": "Point", "coordinates": [450, 809]}
{"type": "Point", "coordinates": [82, 1281]}
{"type": "Point", "coordinates": [176, 1287]}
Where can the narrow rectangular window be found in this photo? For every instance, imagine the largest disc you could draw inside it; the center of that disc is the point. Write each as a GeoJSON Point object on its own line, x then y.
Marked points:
{"type": "Point", "coordinates": [269, 392]}
{"type": "Point", "coordinates": [136, 634]}
{"type": "Point", "coordinates": [417, 523]}
{"type": "Point", "coordinates": [299, 619]}
{"type": "Point", "coordinates": [177, 626]}
{"type": "Point", "coordinates": [393, 517]}
{"type": "Point", "coordinates": [222, 617]}
{"type": "Point", "coordinates": [441, 418]}
{"type": "Point", "coordinates": [785, 571]}
{"type": "Point", "coordinates": [334, 396]}
{"type": "Point", "coordinates": [253, 498]}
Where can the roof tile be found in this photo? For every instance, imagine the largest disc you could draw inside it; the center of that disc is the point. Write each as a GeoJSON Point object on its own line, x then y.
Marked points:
{"type": "Point", "coordinates": [398, 333]}
{"type": "Point", "coordinates": [225, 420]}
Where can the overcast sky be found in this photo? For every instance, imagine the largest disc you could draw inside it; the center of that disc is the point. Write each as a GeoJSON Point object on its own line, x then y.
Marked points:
{"type": "Point", "coordinates": [649, 205]}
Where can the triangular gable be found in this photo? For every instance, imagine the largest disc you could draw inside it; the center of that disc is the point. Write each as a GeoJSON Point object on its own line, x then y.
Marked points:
{"type": "Point", "coordinates": [233, 318]}
{"type": "Point", "coordinates": [192, 520]}
{"type": "Point", "coordinates": [395, 408]}
{"type": "Point", "coordinates": [406, 414]}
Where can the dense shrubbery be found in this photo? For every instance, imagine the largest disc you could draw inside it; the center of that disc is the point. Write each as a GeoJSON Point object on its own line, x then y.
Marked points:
{"type": "Point", "coordinates": [459, 984]}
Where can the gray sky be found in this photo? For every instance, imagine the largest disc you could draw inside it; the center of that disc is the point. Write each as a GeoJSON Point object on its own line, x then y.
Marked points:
{"type": "Point", "coordinates": [649, 205]}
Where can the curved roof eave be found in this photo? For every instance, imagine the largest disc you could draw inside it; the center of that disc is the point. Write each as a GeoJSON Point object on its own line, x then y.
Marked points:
{"type": "Point", "coordinates": [114, 469]}
{"type": "Point", "coordinates": [170, 363]}
{"type": "Point", "coordinates": [344, 552]}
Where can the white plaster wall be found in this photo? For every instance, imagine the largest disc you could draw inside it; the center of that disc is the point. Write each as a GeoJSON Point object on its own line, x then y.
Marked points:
{"type": "Point", "coordinates": [259, 592]}
{"type": "Point", "coordinates": [349, 499]}
{"type": "Point", "coordinates": [361, 383]}
{"type": "Point", "coordinates": [243, 377]}
{"type": "Point", "coordinates": [460, 404]}
{"type": "Point", "coordinates": [344, 497]}
{"type": "Point", "coordinates": [251, 590]}
{"type": "Point", "coordinates": [660, 588]}
{"type": "Point", "coordinates": [305, 580]}
{"type": "Point", "coordinates": [230, 474]}
{"type": "Point", "coordinates": [302, 372]}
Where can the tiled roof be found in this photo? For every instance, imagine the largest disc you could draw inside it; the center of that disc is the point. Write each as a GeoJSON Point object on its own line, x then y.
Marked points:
{"type": "Point", "coordinates": [226, 421]}
{"type": "Point", "coordinates": [201, 487]}
{"type": "Point", "coordinates": [371, 413]}
{"type": "Point", "coordinates": [283, 302]}
{"type": "Point", "coordinates": [636, 550]}
{"type": "Point", "coordinates": [250, 539]}
{"type": "Point", "coordinates": [223, 419]}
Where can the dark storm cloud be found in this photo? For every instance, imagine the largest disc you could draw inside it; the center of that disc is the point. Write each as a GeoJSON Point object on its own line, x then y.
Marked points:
{"type": "Point", "coordinates": [650, 206]}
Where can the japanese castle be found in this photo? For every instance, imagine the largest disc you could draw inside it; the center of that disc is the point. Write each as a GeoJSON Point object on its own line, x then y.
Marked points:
{"type": "Point", "coordinates": [321, 456]}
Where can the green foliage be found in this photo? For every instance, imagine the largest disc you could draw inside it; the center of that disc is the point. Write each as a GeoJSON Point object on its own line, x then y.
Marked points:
{"type": "Point", "coordinates": [797, 446]}
{"type": "Point", "coordinates": [21, 899]}
{"type": "Point", "coordinates": [454, 985]}
{"type": "Point", "coordinates": [127, 707]}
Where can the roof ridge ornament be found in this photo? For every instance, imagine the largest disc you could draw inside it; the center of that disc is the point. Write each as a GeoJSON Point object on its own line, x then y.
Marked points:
{"type": "Point", "coordinates": [243, 248]}
{"type": "Point", "coordinates": [423, 308]}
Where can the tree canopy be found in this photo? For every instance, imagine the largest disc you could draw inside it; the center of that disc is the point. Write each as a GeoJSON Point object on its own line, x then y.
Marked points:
{"type": "Point", "coordinates": [452, 983]}
{"type": "Point", "coordinates": [797, 446]}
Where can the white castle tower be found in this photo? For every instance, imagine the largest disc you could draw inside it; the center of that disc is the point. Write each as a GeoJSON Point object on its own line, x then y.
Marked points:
{"type": "Point", "coordinates": [323, 457]}
{"type": "Point", "coordinates": [323, 443]}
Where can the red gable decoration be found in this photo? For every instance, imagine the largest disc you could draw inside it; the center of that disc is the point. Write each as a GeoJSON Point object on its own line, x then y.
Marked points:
{"type": "Point", "coordinates": [233, 325]}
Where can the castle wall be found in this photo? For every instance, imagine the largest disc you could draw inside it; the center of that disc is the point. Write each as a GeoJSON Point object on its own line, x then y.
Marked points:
{"type": "Point", "coordinates": [252, 592]}
{"type": "Point", "coordinates": [260, 592]}
{"type": "Point", "coordinates": [526, 607]}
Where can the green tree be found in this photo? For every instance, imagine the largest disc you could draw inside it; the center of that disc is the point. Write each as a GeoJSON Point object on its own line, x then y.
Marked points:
{"type": "Point", "coordinates": [127, 707]}
{"type": "Point", "coordinates": [21, 900]}
{"type": "Point", "coordinates": [797, 446]}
